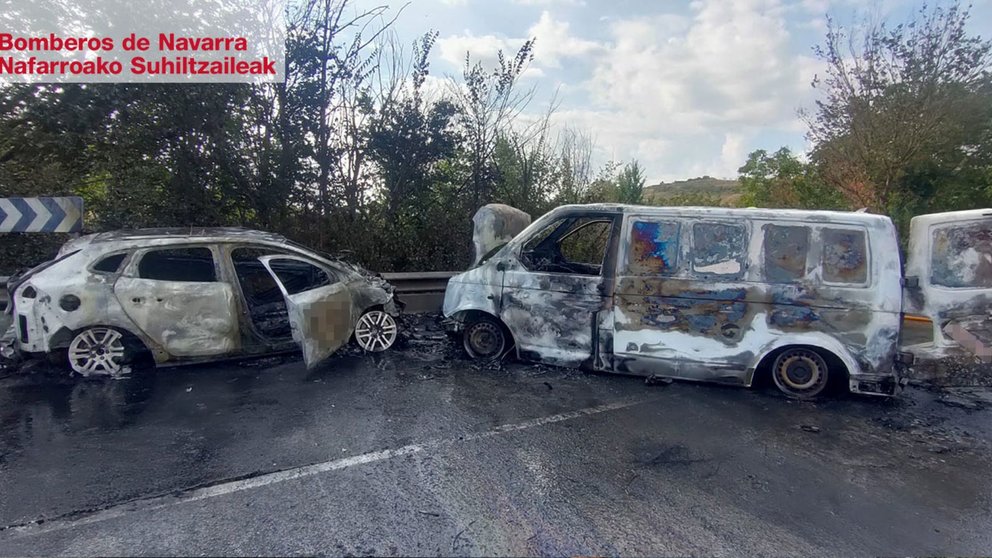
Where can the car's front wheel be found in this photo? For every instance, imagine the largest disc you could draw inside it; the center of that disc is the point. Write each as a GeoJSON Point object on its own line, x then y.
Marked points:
{"type": "Point", "coordinates": [376, 331]}
{"type": "Point", "coordinates": [99, 351]}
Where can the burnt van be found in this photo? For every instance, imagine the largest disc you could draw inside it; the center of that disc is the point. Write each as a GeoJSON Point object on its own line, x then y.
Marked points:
{"type": "Point", "coordinates": [719, 294]}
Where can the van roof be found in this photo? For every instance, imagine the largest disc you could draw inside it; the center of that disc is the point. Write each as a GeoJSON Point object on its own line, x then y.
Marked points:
{"type": "Point", "coordinates": [966, 215]}
{"type": "Point", "coordinates": [753, 212]}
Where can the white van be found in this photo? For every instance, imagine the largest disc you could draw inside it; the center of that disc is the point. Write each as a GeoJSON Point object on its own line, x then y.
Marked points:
{"type": "Point", "coordinates": [711, 294]}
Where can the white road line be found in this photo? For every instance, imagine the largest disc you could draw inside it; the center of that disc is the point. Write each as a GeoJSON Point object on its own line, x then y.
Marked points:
{"type": "Point", "coordinates": [158, 502]}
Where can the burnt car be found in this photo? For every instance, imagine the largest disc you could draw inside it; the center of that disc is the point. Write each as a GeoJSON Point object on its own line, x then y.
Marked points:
{"type": "Point", "coordinates": [178, 296]}
{"type": "Point", "coordinates": [724, 294]}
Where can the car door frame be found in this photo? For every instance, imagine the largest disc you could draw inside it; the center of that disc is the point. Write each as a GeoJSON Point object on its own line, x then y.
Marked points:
{"type": "Point", "coordinates": [230, 346]}
{"type": "Point", "coordinates": [254, 340]}
{"type": "Point", "coordinates": [316, 349]}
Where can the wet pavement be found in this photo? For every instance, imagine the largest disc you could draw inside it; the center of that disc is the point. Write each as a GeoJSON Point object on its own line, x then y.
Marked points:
{"type": "Point", "coordinates": [417, 451]}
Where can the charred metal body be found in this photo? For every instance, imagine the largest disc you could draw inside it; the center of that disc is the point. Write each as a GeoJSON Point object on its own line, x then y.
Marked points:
{"type": "Point", "coordinates": [191, 295]}
{"type": "Point", "coordinates": [494, 225]}
{"type": "Point", "coordinates": [708, 294]}
{"type": "Point", "coordinates": [948, 295]}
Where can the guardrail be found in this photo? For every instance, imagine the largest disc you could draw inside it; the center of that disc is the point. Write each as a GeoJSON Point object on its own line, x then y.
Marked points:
{"type": "Point", "coordinates": [420, 292]}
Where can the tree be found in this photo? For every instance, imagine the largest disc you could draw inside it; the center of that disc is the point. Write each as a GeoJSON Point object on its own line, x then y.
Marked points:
{"type": "Point", "coordinates": [781, 179]}
{"type": "Point", "coordinates": [630, 183]}
{"type": "Point", "coordinates": [489, 102]}
{"type": "Point", "coordinates": [903, 110]}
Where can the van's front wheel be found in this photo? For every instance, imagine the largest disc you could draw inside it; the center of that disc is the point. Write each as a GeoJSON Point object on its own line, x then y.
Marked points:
{"type": "Point", "coordinates": [484, 338]}
{"type": "Point", "coordinates": [800, 373]}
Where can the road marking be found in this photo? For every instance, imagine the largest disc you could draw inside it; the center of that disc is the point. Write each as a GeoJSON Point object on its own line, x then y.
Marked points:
{"type": "Point", "coordinates": [193, 495]}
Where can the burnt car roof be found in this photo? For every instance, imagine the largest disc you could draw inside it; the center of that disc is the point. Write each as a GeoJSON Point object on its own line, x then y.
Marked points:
{"type": "Point", "coordinates": [131, 238]}
{"type": "Point", "coordinates": [232, 233]}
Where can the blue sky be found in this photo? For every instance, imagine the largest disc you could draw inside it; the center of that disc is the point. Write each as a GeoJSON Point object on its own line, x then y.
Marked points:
{"type": "Point", "coordinates": [686, 88]}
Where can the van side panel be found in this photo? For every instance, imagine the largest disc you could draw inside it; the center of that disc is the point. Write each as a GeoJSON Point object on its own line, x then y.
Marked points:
{"type": "Point", "coordinates": [717, 313]}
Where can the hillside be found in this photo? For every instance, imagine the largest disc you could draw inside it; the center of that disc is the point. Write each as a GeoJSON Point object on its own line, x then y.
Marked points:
{"type": "Point", "coordinates": [701, 189]}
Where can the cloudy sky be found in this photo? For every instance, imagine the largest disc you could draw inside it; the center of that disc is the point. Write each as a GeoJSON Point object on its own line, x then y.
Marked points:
{"type": "Point", "coordinates": [687, 88]}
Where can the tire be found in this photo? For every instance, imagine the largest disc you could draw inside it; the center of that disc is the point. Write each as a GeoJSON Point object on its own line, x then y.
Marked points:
{"type": "Point", "coordinates": [375, 331]}
{"type": "Point", "coordinates": [100, 351]}
{"type": "Point", "coordinates": [484, 338]}
{"type": "Point", "coordinates": [801, 373]}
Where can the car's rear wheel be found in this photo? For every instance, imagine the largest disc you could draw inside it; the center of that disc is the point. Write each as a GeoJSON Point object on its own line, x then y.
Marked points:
{"type": "Point", "coordinates": [99, 351]}
{"type": "Point", "coordinates": [484, 338]}
{"type": "Point", "coordinates": [376, 331]}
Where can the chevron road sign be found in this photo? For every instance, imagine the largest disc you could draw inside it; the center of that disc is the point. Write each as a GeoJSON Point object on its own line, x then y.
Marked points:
{"type": "Point", "coordinates": [64, 215]}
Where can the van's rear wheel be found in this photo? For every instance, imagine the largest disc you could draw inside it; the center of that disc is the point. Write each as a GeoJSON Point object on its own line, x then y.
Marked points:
{"type": "Point", "coordinates": [484, 338]}
{"type": "Point", "coordinates": [800, 373]}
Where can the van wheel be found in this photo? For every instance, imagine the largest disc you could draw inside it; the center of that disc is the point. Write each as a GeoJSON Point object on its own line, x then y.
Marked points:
{"type": "Point", "coordinates": [800, 373]}
{"type": "Point", "coordinates": [100, 351]}
{"type": "Point", "coordinates": [484, 338]}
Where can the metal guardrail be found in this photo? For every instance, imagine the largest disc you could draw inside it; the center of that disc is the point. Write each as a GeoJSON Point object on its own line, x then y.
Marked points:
{"type": "Point", "coordinates": [420, 292]}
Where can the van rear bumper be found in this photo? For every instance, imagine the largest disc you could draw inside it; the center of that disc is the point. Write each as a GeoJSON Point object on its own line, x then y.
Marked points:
{"type": "Point", "coordinates": [883, 385]}
{"type": "Point", "coordinates": [886, 385]}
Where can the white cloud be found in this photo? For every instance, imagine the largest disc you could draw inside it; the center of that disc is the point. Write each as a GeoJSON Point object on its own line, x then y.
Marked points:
{"type": "Point", "coordinates": [684, 94]}
{"type": "Point", "coordinates": [690, 94]}
{"type": "Point", "coordinates": [554, 42]}
{"type": "Point", "coordinates": [481, 48]}
{"type": "Point", "coordinates": [732, 154]}
{"type": "Point", "coordinates": [731, 66]}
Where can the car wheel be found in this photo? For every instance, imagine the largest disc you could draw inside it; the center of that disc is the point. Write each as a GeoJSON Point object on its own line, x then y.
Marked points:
{"type": "Point", "coordinates": [484, 338]}
{"type": "Point", "coordinates": [376, 331]}
{"type": "Point", "coordinates": [99, 351]}
{"type": "Point", "coordinates": [800, 373]}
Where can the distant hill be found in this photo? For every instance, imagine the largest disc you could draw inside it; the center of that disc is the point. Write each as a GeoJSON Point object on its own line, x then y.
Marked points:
{"type": "Point", "coordinates": [703, 188]}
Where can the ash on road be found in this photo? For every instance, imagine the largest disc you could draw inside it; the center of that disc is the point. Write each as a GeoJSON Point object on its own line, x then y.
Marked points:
{"type": "Point", "coordinates": [418, 452]}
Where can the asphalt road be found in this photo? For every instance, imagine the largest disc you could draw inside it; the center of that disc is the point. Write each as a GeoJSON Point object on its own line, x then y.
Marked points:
{"type": "Point", "coordinates": [418, 452]}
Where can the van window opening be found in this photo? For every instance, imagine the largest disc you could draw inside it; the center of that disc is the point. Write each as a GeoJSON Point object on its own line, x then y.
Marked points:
{"type": "Point", "coordinates": [845, 256]}
{"type": "Point", "coordinates": [961, 256]}
{"type": "Point", "coordinates": [719, 249]}
{"type": "Point", "coordinates": [654, 248]}
{"type": "Point", "coordinates": [570, 245]}
{"type": "Point", "coordinates": [785, 251]}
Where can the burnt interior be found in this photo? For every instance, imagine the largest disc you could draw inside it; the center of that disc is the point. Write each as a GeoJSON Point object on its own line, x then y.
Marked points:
{"type": "Point", "coordinates": [570, 245]}
{"type": "Point", "coordinates": [266, 305]}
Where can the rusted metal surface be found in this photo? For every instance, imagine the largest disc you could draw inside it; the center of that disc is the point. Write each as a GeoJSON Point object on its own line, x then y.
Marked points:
{"type": "Point", "coordinates": [208, 314]}
{"type": "Point", "coordinates": [701, 293]}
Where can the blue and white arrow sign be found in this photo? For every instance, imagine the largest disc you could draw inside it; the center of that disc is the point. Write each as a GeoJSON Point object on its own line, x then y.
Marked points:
{"type": "Point", "coordinates": [64, 215]}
